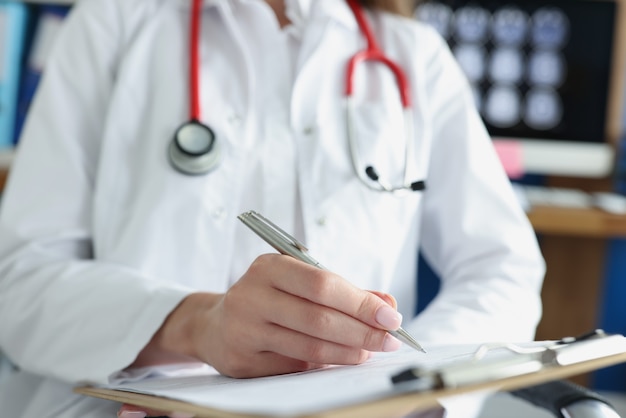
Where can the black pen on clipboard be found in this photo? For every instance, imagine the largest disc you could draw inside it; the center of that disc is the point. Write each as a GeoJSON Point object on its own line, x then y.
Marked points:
{"type": "Point", "coordinates": [288, 245]}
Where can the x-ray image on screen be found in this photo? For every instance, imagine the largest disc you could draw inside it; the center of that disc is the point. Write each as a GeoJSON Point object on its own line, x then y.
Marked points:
{"type": "Point", "coordinates": [538, 69]}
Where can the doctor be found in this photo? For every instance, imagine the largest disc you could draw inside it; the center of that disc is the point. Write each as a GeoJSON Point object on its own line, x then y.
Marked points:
{"type": "Point", "coordinates": [120, 247]}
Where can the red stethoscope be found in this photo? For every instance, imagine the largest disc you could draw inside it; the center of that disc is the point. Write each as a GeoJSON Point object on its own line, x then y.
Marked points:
{"type": "Point", "coordinates": [195, 149]}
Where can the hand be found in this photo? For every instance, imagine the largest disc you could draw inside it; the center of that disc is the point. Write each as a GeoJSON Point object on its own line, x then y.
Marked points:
{"type": "Point", "coordinates": [282, 316]}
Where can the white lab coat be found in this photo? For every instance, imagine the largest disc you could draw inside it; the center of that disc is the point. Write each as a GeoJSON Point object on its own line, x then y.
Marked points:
{"type": "Point", "coordinates": [100, 238]}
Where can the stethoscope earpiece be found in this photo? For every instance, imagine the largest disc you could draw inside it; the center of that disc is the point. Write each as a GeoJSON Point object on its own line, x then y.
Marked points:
{"type": "Point", "coordinates": [418, 186]}
{"type": "Point", "coordinates": [372, 174]}
{"type": "Point", "coordinates": [194, 149]}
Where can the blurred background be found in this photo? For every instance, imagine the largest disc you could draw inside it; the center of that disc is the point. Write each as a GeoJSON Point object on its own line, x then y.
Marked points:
{"type": "Point", "coordinates": [548, 80]}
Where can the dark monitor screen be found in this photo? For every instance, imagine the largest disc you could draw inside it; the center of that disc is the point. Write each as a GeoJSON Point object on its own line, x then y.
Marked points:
{"type": "Point", "coordinates": [539, 69]}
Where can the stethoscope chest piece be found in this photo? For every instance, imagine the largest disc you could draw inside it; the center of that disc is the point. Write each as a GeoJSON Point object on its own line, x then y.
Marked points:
{"type": "Point", "coordinates": [194, 149]}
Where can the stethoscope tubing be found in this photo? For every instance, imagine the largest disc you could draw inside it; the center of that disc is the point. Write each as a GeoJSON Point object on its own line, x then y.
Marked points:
{"type": "Point", "coordinates": [373, 52]}
{"type": "Point", "coordinates": [194, 62]}
{"type": "Point", "coordinates": [194, 150]}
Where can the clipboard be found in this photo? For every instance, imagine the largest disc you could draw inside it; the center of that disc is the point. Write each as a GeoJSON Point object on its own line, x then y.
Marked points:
{"type": "Point", "coordinates": [489, 368]}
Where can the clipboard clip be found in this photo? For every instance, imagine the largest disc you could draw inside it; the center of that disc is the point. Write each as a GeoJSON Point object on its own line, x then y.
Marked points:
{"type": "Point", "coordinates": [492, 362]}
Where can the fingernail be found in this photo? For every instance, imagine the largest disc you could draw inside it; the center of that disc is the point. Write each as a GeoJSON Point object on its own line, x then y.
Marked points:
{"type": "Point", "coordinates": [132, 414]}
{"type": "Point", "coordinates": [391, 343]}
{"type": "Point", "coordinates": [180, 415]}
{"type": "Point", "coordinates": [388, 317]}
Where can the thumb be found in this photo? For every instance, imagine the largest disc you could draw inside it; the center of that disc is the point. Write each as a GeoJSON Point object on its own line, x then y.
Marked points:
{"type": "Point", "coordinates": [389, 299]}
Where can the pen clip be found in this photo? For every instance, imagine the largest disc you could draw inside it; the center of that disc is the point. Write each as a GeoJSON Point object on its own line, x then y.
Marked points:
{"type": "Point", "coordinates": [278, 230]}
{"type": "Point", "coordinates": [269, 230]}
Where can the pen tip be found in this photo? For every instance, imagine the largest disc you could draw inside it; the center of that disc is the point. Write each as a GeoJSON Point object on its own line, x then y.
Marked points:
{"type": "Point", "coordinates": [406, 338]}
{"type": "Point", "coordinates": [417, 346]}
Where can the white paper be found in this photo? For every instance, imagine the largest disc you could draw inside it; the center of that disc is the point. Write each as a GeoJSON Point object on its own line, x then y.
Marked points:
{"type": "Point", "coordinates": [293, 394]}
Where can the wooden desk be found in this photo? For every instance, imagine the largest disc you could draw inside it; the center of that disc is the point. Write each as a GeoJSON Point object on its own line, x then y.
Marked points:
{"type": "Point", "coordinates": [573, 243]}
{"type": "Point", "coordinates": [3, 178]}
{"type": "Point", "coordinates": [6, 158]}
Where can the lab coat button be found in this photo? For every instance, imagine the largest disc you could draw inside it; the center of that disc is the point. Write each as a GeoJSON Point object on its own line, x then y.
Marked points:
{"type": "Point", "coordinates": [234, 119]}
{"type": "Point", "coordinates": [321, 221]}
{"type": "Point", "coordinates": [309, 130]}
{"type": "Point", "coordinates": [218, 213]}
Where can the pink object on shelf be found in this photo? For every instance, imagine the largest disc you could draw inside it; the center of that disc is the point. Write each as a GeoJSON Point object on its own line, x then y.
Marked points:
{"type": "Point", "coordinates": [511, 156]}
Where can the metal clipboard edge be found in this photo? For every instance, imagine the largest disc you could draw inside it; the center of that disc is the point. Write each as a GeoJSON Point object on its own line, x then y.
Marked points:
{"type": "Point", "coordinates": [472, 372]}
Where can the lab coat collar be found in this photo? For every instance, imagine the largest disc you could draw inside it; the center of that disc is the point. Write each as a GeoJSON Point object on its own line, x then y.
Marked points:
{"type": "Point", "coordinates": [299, 11]}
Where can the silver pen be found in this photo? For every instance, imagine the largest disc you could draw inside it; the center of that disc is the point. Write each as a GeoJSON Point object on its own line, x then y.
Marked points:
{"type": "Point", "coordinates": [288, 245]}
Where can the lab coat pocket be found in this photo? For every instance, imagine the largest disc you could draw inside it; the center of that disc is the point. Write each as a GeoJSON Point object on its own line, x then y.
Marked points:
{"type": "Point", "coordinates": [380, 225]}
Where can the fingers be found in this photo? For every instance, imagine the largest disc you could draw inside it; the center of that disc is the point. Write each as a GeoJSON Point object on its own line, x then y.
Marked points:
{"type": "Point", "coordinates": [328, 289]}
{"type": "Point", "coordinates": [315, 350]}
{"type": "Point", "coordinates": [334, 321]}
{"type": "Point", "coordinates": [298, 331]}
{"type": "Point", "coordinates": [386, 297]}
{"type": "Point", "coordinates": [325, 324]}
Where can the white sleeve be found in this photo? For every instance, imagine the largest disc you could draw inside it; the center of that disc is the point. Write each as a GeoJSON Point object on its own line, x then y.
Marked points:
{"type": "Point", "coordinates": [63, 312]}
{"type": "Point", "coordinates": [475, 234]}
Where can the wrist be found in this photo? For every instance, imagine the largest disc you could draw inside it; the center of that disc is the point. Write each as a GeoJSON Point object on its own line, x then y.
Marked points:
{"type": "Point", "coordinates": [174, 340]}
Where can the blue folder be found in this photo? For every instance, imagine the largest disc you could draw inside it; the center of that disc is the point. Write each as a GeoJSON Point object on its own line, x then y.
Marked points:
{"type": "Point", "coordinates": [13, 23]}
{"type": "Point", "coordinates": [45, 25]}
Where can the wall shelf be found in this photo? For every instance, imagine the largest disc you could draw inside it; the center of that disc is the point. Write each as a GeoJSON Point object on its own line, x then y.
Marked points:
{"type": "Point", "coordinates": [588, 222]}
